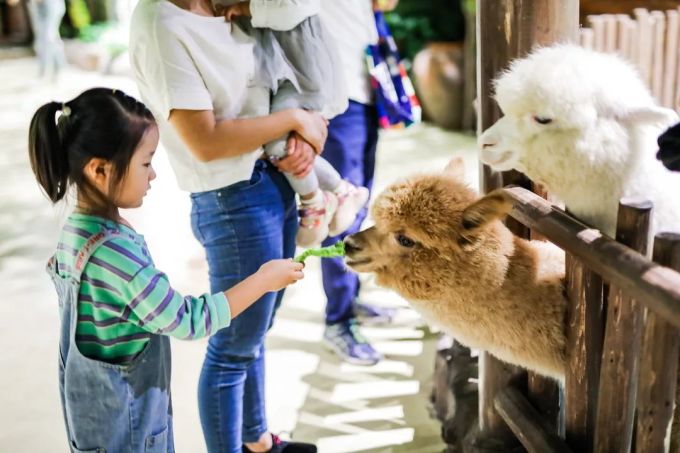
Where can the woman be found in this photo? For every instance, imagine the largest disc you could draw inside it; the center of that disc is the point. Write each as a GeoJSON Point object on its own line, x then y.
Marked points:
{"type": "Point", "coordinates": [194, 71]}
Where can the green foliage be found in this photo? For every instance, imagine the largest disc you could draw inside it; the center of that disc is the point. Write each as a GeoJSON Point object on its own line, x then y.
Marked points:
{"type": "Point", "coordinates": [416, 22]}
{"type": "Point", "coordinates": [78, 14]}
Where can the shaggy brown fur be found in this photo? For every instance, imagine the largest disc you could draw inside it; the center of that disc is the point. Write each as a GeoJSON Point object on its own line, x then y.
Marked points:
{"type": "Point", "coordinates": [450, 255]}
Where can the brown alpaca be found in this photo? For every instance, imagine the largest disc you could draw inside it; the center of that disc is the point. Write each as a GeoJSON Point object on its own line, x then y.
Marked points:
{"type": "Point", "coordinates": [451, 257]}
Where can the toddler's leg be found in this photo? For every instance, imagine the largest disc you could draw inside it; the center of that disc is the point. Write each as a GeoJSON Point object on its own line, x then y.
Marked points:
{"type": "Point", "coordinates": [351, 199]}
{"type": "Point", "coordinates": [285, 98]}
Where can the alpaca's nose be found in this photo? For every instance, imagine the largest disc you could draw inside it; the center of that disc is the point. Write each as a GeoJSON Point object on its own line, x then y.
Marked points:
{"type": "Point", "coordinates": [351, 245]}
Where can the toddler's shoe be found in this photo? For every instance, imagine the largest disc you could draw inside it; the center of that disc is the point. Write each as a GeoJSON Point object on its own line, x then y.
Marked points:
{"type": "Point", "coordinates": [351, 199]}
{"type": "Point", "coordinates": [314, 219]}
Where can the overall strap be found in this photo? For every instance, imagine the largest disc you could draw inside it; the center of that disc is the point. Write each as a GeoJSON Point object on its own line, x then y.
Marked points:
{"type": "Point", "coordinates": [88, 250]}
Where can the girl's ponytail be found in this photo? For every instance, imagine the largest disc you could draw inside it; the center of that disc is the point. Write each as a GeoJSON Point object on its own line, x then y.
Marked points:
{"type": "Point", "coordinates": [48, 156]}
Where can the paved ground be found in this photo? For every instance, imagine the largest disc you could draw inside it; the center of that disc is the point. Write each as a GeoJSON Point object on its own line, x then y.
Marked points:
{"type": "Point", "coordinates": [311, 395]}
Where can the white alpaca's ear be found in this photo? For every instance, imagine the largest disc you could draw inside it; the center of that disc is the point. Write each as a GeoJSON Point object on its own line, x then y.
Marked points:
{"type": "Point", "coordinates": [456, 168]}
{"type": "Point", "coordinates": [650, 115]}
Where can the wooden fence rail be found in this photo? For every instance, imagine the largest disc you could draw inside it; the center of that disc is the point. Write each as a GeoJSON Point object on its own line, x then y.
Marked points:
{"type": "Point", "coordinates": [620, 368]}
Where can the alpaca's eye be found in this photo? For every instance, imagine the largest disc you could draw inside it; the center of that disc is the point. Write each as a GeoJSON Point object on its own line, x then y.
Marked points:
{"type": "Point", "coordinates": [404, 241]}
{"type": "Point", "coordinates": [542, 120]}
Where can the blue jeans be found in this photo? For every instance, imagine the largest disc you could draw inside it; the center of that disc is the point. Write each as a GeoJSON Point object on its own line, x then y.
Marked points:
{"type": "Point", "coordinates": [350, 148]}
{"type": "Point", "coordinates": [241, 227]}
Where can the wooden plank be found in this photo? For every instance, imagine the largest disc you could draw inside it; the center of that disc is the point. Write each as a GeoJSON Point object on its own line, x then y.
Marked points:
{"type": "Point", "coordinates": [658, 363]}
{"type": "Point", "coordinates": [587, 38]}
{"type": "Point", "coordinates": [609, 32]}
{"type": "Point", "coordinates": [671, 58]}
{"type": "Point", "coordinates": [527, 424]}
{"type": "Point", "coordinates": [645, 39]}
{"type": "Point", "coordinates": [656, 286]}
{"type": "Point", "coordinates": [585, 330]}
{"type": "Point", "coordinates": [658, 35]}
{"type": "Point", "coordinates": [623, 6]}
{"type": "Point", "coordinates": [508, 29]}
{"type": "Point", "coordinates": [677, 82]}
{"type": "Point", "coordinates": [622, 341]}
{"type": "Point", "coordinates": [597, 24]}
{"type": "Point", "coordinates": [623, 38]}
{"type": "Point", "coordinates": [634, 38]}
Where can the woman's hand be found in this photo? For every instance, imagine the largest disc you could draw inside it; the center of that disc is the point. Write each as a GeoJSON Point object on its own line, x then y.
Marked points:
{"type": "Point", "coordinates": [277, 274]}
{"type": "Point", "coordinates": [300, 158]}
{"type": "Point", "coordinates": [312, 127]}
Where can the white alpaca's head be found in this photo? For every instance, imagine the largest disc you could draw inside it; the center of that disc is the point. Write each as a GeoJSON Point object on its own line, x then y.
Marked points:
{"type": "Point", "coordinates": [567, 103]}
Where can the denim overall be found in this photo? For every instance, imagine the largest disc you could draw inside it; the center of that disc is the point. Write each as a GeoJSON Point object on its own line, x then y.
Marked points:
{"type": "Point", "coordinates": [109, 407]}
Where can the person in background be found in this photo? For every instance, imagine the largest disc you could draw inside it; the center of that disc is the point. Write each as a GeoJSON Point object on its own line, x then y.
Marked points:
{"type": "Point", "coordinates": [45, 17]}
{"type": "Point", "coordinates": [350, 148]}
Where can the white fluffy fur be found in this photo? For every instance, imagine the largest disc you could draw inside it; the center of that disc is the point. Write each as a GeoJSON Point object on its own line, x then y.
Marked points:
{"type": "Point", "coordinates": [600, 145]}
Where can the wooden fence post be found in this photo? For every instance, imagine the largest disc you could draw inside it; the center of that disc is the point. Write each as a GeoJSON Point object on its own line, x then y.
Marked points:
{"type": "Point", "coordinates": [658, 363]}
{"type": "Point", "coordinates": [622, 340]}
{"type": "Point", "coordinates": [585, 332]}
{"type": "Point", "coordinates": [507, 29]}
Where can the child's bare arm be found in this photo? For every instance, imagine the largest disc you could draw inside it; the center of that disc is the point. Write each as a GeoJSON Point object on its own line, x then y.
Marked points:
{"type": "Point", "coordinates": [272, 276]}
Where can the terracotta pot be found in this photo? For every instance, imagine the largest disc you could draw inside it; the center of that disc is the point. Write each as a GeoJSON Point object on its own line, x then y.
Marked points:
{"type": "Point", "coordinates": [438, 79]}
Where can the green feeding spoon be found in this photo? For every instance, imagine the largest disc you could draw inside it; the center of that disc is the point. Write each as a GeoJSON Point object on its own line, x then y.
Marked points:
{"type": "Point", "coordinates": [337, 249]}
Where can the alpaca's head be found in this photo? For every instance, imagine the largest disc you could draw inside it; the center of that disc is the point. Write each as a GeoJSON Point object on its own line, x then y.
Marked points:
{"type": "Point", "coordinates": [566, 99]}
{"type": "Point", "coordinates": [425, 227]}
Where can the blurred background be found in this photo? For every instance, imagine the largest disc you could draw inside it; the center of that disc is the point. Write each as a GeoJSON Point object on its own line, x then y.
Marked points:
{"type": "Point", "coordinates": [311, 394]}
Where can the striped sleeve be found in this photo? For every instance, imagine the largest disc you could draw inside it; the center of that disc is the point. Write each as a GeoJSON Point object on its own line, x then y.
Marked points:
{"type": "Point", "coordinates": [148, 299]}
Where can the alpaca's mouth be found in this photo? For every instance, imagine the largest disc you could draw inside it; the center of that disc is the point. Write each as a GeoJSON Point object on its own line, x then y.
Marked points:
{"type": "Point", "coordinates": [498, 161]}
{"type": "Point", "coordinates": [357, 262]}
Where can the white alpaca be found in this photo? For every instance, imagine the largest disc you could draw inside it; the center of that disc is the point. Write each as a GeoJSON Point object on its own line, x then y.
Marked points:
{"type": "Point", "coordinates": [584, 125]}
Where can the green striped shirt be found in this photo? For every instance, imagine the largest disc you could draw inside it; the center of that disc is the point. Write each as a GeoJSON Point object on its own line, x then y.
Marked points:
{"type": "Point", "coordinates": [124, 299]}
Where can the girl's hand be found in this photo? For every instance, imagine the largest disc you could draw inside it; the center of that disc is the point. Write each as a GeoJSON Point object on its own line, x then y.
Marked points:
{"type": "Point", "coordinates": [312, 127]}
{"type": "Point", "coordinates": [277, 274]}
{"type": "Point", "coordinates": [231, 12]}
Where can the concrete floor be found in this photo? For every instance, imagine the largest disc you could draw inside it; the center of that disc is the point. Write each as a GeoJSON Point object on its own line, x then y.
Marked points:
{"type": "Point", "coordinates": [311, 395]}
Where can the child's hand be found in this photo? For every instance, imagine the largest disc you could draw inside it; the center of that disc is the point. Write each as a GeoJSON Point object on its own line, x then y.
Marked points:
{"type": "Point", "coordinates": [277, 274]}
{"type": "Point", "coordinates": [313, 127]}
{"type": "Point", "coordinates": [231, 12]}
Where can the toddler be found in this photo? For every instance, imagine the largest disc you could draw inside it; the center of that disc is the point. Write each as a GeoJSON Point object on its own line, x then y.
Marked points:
{"type": "Point", "coordinates": [301, 67]}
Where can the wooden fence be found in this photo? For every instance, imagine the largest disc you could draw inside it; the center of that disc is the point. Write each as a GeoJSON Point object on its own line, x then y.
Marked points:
{"type": "Point", "coordinates": [622, 335]}
{"type": "Point", "coordinates": [649, 40]}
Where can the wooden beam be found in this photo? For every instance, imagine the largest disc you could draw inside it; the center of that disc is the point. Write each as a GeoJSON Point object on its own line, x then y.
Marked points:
{"type": "Point", "coordinates": [527, 424]}
{"type": "Point", "coordinates": [614, 422]}
{"type": "Point", "coordinates": [658, 363]}
{"type": "Point", "coordinates": [656, 286]}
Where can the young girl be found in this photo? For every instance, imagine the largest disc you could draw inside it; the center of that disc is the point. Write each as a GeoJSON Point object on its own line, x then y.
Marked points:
{"type": "Point", "coordinates": [301, 66]}
{"type": "Point", "coordinates": [117, 310]}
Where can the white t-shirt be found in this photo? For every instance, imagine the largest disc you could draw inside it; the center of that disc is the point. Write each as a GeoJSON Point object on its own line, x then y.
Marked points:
{"type": "Point", "coordinates": [182, 60]}
{"type": "Point", "coordinates": [352, 25]}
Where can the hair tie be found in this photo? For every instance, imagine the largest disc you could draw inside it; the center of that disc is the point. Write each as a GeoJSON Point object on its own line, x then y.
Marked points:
{"type": "Point", "coordinates": [65, 109]}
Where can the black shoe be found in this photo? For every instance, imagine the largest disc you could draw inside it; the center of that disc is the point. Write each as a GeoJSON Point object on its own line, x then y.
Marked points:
{"type": "Point", "coordinates": [282, 446]}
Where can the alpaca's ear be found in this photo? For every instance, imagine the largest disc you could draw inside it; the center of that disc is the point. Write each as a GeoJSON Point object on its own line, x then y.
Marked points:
{"type": "Point", "coordinates": [478, 215]}
{"type": "Point", "coordinates": [651, 115]}
{"type": "Point", "coordinates": [456, 168]}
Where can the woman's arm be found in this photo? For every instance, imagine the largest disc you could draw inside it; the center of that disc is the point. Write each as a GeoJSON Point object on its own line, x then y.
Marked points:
{"type": "Point", "coordinates": [209, 139]}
